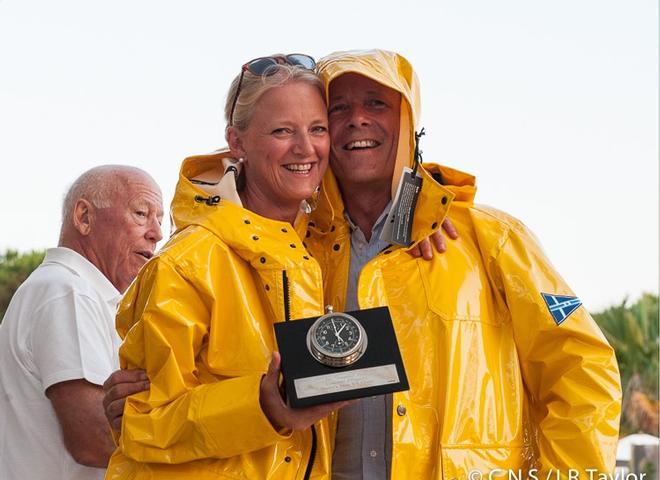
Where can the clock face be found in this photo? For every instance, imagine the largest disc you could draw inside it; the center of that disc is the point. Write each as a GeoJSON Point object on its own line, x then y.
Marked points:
{"type": "Point", "coordinates": [336, 340]}
{"type": "Point", "coordinates": [336, 335]}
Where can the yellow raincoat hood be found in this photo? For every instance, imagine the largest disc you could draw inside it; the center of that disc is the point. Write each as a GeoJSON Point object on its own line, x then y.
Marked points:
{"type": "Point", "coordinates": [393, 71]}
{"type": "Point", "coordinates": [209, 171]}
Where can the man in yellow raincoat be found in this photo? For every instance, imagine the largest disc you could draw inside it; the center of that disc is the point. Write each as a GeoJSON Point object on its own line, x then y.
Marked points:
{"type": "Point", "coordinates": [508, 373]}
{"type": "Point", "coordinates": [507, 370]}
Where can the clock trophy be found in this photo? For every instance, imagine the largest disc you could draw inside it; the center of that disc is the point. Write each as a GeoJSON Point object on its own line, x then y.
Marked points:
{"type": "Point", "coordinates": [340, 356]}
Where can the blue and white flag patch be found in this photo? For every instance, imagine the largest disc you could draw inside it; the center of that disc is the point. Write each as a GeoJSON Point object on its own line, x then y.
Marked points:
{"type": "Point", "coordinates": [561, 306]}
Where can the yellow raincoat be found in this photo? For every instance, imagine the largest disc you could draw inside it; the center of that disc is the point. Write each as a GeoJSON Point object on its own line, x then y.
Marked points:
{"type": "Point", "coordinates": [199, 319]}
{"type": "Point", "coordinates": [495, 381]}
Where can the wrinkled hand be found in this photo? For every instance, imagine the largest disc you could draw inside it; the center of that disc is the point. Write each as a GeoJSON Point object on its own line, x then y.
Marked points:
{"type": "Point", "coordinates": [117, 387]}
{"type": "Point", "coordinates": [423, 248]}
{"type": "Point", "coordinates": [281, 415]}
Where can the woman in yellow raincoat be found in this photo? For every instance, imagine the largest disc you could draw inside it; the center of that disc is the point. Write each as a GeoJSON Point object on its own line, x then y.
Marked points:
{"type": "Point", "coordinates": [199, 316]}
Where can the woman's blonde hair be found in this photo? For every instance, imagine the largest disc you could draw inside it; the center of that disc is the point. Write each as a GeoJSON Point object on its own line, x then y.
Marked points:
{"type": "Point", "coordinates": [254, 86]}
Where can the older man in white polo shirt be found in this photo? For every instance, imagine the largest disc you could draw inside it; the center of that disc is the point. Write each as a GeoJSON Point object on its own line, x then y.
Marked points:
{"type": "Point", "coordinates": [58, 341]}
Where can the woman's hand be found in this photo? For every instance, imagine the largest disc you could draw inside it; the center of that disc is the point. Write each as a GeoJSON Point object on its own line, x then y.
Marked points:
{"type": "Point", "coordinates": [423, 248]}
{"type": "Point", "coordinates": [282, 416]}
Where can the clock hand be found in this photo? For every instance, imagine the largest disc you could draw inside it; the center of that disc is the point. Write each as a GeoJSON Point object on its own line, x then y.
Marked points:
{"type": "Point", "coordinates": [334, 327]}
{"type": "Point", "coordinates": [341, 340]}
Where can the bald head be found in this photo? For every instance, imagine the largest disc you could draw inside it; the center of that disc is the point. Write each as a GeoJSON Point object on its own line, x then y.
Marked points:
{"type": "Point", "coordinates": [111, 215]}
{"type": "Point", "coordinates": [99, 186]}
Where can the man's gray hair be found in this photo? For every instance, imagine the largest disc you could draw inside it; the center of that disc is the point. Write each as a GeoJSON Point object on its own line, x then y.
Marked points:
{"type": "Point", "coordinates": [99, 186]}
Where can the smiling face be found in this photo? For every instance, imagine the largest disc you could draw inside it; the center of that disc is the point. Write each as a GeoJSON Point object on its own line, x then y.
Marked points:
{"type": "Point", "coordinates": [124, 235]}
{"type": "Point", "coordinates": [285, 149]}
{"type": "Point", "coordinates": [363, 116]}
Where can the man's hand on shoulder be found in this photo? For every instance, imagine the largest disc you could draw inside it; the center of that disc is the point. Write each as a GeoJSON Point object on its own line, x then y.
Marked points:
{"type": "Point", "coordinates": [79, 408]}
{"type": "Point", "coordinates": [423, 249]}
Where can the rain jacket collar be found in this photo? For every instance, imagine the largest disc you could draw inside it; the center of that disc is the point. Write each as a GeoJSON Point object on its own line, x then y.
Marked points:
{"type": "Point", "coordinates": [432, 205]}
{"type": "Point", "coordinates": [216, 206]}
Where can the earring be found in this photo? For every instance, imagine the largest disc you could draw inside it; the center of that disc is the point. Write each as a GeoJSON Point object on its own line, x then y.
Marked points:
{"type": "Point", "coordinates": [241, 159]}
{"type": "Point", "coordinates": [309, 205]}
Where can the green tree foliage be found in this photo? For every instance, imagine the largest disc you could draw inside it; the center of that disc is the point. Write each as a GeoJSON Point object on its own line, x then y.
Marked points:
{"type": "Point", "coordinates": [14, 269]}
{"type": "Point", "coordinates": [633, 332]}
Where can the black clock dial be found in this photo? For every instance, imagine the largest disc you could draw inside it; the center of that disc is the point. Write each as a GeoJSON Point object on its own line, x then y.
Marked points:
{"type": "Point", "coordinates": [336, 339]}
{"type": "Point", "coordinates": [337, 335]}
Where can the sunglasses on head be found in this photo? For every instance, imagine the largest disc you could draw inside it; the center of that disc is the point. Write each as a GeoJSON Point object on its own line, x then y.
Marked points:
{"type": "Point", "coordinates": [268, 66]}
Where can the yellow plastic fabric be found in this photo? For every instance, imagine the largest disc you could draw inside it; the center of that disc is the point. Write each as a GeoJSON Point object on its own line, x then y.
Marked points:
{"type": "Point", "coordinates": [199, 320]}
{"type": "Point", "coordinates": [495, 382]}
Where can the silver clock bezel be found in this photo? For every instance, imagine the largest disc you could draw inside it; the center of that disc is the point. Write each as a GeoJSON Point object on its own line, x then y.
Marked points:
{"type": "Point", "coordinates": [332, 359]}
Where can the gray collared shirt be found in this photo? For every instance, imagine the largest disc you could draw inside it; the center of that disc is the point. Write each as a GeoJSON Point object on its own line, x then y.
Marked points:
{"type": "Point", "coordinates": [363, 445]}
{"type": "Point", "coordinates": [361, 252]}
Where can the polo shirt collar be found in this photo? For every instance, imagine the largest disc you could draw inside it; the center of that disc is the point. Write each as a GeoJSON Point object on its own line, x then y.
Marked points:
{"type": "Point", "coordinates": [86, 270]}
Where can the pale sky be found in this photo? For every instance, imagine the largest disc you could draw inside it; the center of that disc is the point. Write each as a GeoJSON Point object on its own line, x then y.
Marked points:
{"type": "Point", "coordinates": [553, 105]}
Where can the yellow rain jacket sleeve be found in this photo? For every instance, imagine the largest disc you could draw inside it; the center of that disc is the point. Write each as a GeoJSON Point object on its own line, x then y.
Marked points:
{"type": "Point", "coordinates": [568, 367]}
{"type": "Point", "coordinates": [180, 411]}
{"type": "Point", "coordinates": [199, 319]}
{"type": "Point", "coordinates": [507, 371]}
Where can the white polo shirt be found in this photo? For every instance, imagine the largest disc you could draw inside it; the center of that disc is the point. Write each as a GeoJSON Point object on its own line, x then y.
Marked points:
{"type": "Point", "coordinates": [60, 325]}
